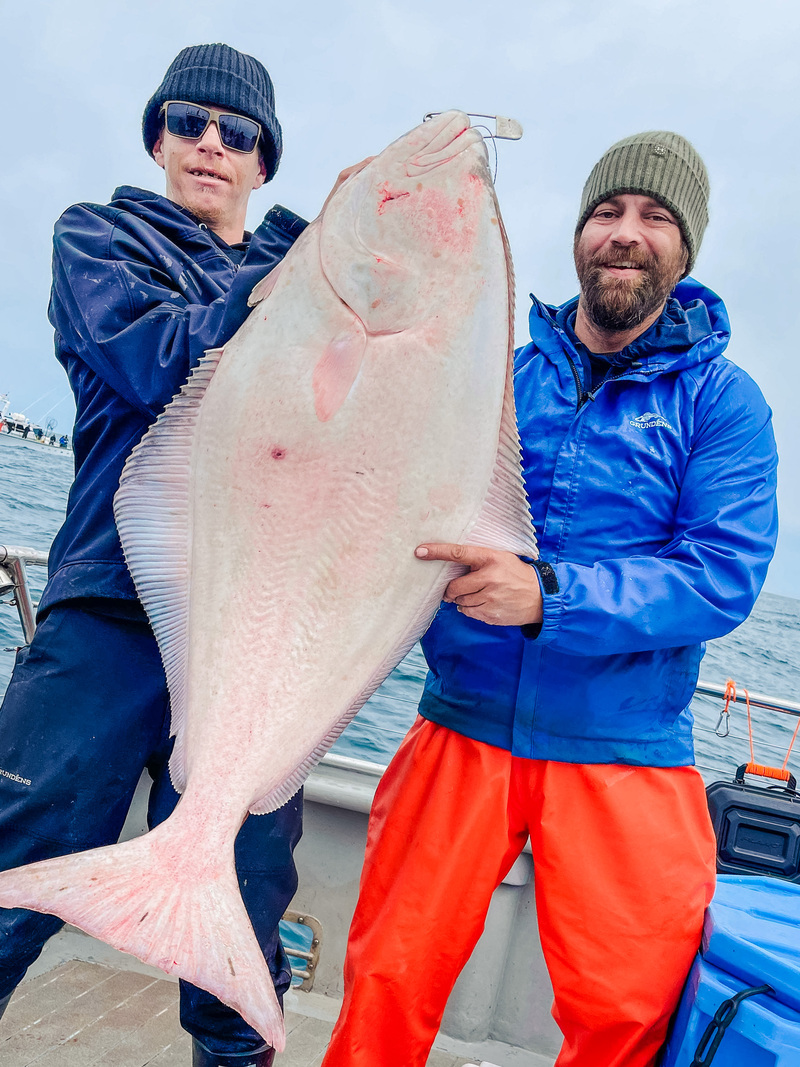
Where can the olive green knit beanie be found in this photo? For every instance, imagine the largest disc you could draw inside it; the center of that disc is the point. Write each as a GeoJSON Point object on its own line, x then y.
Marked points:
{"type": "Point", "coordinates": [659, 164]}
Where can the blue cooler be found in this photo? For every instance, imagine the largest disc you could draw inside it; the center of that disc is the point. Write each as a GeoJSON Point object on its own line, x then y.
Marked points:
{"type": "Point", "coordinates": [751, 938]}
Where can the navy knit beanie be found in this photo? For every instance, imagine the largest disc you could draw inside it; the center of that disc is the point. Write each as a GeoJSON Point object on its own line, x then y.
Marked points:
{"type": "Point", "coordinates": [219, 75]}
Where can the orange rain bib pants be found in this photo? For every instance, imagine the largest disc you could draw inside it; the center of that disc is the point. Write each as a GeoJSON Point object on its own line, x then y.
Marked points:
{"type": "Point", "coordinates": [624, 862]}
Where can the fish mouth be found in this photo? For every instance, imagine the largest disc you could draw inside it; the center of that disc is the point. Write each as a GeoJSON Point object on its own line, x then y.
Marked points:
{"type": "Point", "coordinates": [450, 134]}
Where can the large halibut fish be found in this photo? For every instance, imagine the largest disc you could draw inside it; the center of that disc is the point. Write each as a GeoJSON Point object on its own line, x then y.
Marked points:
{"type": "Point", "coordinates": [269, 519]}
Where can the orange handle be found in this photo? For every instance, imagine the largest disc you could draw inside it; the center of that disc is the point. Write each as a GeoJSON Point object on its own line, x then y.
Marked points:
{"type": "Point", "coordinates": [768, 772]}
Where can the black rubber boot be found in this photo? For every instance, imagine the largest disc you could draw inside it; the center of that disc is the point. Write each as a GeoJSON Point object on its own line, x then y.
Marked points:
{"type": "Point", "coordinates": [4, 1005]}
{"type": "Point", "coordinates": [201, 1057]}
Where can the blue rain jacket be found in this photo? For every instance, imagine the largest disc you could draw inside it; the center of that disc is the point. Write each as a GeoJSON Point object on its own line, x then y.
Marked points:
{"type": "Point", "coordinates": [140, 291]}
{"type": "Point", "coordinates": [654, 502]}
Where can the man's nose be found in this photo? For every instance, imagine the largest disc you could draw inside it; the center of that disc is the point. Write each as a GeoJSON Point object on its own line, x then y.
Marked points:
{"type": "Point", "coordinates": [210, 141]}
{"type": "Point", "coordinates": [627, 230]}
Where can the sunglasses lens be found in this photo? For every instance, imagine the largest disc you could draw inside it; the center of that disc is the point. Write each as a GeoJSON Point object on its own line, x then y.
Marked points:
{"type": "Point", "coordinates": [187, 120]}
{"type": "Point", "coordinates": [238, 133]}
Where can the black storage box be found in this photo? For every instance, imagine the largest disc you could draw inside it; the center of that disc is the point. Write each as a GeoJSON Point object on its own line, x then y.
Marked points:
{"type": "Point", "coordinates": [757, 827]}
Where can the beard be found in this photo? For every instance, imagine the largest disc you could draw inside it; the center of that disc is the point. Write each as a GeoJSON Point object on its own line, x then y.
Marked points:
{"type": "Point", "coordinates": [620, 304]}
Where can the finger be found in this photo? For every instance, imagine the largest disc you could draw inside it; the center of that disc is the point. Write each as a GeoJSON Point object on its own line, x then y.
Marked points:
{"type": "Point", "coordinates": [344, 175]}
{"type": "Point", "coordinates": [348, 172]}
{"type": "Point", "coordinates": [471, 582]}
{"type": "Point", "coordinates": [360, 166]}
{"type": "Point", "coordinates": [480, 614]}
{"type": "Point", "coordinates": [473, 600]}
{"type": "Point", "coordinates": [469, 555]}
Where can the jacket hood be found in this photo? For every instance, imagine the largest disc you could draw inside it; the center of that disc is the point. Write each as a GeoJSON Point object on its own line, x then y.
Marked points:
{"type": "Point", "coordinates": [693, 327]}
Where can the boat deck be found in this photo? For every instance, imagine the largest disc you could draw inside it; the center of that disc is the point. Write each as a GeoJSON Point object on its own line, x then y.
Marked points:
{"type": "Point", "coordinates": [84, 1013]}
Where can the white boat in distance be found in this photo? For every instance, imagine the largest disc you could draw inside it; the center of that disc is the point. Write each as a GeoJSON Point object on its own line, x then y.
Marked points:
{"type": "Point", "coordinates": [15, 425]}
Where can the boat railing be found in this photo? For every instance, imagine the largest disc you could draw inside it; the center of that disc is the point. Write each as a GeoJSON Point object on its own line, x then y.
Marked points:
{"type": "Point", "coordinates": [743, 696]}
{"type": "Point", "coordinates": [14, 580]}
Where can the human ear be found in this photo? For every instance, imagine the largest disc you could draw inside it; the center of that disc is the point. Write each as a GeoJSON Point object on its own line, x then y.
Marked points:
{"type": "Point", "coordinates": [261, 177]}
{"type": "Point", "coordinates": [158, 152]}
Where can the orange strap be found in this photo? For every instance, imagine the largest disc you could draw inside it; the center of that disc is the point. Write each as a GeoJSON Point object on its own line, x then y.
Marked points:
{"type": "Point", "coordinates": [781, 773]}
{"type": "Point", "coordinates": [750, 730]}
{"type": "Point", "coordinates": [791, 745]}
{"type": "Point", "coordinates": [730, 694]}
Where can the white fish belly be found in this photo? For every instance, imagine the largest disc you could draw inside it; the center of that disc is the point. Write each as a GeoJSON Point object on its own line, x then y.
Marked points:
{"type": "Point", "coordinates": [304, 583]}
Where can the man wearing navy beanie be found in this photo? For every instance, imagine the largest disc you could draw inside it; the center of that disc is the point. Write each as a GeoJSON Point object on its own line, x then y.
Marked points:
{"type": "Point", "coordinates": [142, 287]}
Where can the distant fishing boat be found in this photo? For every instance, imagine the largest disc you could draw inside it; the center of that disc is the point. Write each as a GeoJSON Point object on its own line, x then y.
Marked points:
{"type": "Point", "coordinates": [15, 425]}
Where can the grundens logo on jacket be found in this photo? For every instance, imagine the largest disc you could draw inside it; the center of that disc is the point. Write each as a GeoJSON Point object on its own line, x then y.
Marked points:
{"type": "Point", "coordinates": [649, 420]}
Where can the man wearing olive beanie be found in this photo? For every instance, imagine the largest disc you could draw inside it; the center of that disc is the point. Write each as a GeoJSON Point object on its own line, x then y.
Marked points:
{"type": "Point", "coordinates": [142, 287]}
{"type": "Point", "coordinates": [662, 165]}
{"type": "Point", "coordinates": [557, 707]}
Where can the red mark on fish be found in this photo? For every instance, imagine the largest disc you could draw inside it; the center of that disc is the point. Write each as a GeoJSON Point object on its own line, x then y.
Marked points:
{"type": "Point", "coordinates": [386, 195]}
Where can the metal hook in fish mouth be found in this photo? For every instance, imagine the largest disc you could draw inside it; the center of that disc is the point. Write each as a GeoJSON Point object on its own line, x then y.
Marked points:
{"type": "Point", "coordinates": [505, 128]}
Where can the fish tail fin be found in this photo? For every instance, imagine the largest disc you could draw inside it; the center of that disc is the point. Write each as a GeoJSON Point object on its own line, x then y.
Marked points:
{"type": "Point", "coordinates": [187, 919]}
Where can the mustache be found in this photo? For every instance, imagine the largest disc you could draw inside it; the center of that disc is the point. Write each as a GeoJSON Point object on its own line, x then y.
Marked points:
{"type": "Point", "coordinates": [635, 257]}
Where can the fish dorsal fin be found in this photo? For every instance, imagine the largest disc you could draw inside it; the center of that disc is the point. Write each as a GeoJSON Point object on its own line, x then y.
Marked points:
{"type": "Point", "coordinates": [152, 511]}
{"type": "Point", "coordinates": [505, 520]}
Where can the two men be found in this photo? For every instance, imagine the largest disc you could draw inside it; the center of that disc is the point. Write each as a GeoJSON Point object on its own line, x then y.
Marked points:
{"type": "Point", "coordinates": [557, 694]}
{"type": "Point", "coordinates": [557, 703]}
{"type": "Point", "coordinates": [142, 287]}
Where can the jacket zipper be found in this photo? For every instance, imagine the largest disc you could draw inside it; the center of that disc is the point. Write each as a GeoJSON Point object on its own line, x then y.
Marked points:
{"type": "Point", "coordinates": [583, 394]}
{"type": "Point", "coordinates": [608, 378]}
{"type": "Point", "coordinates": [234, 266]}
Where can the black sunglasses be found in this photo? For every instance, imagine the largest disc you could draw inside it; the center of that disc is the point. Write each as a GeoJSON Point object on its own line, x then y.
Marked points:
{"type": "Point", "coordinates": [191, 121]}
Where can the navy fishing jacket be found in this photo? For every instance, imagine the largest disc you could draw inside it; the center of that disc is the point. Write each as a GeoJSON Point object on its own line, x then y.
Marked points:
{"type": "Point", "coordinates": [654, 501]}
{"type": "Point", "coordinates": [140, 291]}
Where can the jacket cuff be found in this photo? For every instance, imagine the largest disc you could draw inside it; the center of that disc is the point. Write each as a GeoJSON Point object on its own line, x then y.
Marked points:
{"type": "Point", "coordinates": [285, 220]}
{"type": "Point", "coordinates": [551, 602]}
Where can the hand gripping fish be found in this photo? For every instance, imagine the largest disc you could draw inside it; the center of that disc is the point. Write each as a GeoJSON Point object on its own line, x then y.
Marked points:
{"type": "Point", "coordinates": [269, 519]}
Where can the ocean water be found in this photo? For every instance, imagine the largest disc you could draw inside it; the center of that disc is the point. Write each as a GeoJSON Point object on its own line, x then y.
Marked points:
{"type": "Point", "coordinates": [762, 655]}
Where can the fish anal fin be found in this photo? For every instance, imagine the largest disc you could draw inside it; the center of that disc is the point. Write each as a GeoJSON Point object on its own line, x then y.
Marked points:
{"type": "Point", "coordinates": [337, 369]}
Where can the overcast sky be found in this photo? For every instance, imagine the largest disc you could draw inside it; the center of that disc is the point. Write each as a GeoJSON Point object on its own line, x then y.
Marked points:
{"type": "Point", "coordinates": [351, 75]}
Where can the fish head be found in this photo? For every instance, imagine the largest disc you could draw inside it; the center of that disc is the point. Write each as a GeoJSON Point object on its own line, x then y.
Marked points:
{"type": "Point", "coordinates": [395, 235]}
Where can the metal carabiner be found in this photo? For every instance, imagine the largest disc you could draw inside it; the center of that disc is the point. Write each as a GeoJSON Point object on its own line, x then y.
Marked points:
{"type": "Point", "coordinates": [725, 715]}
